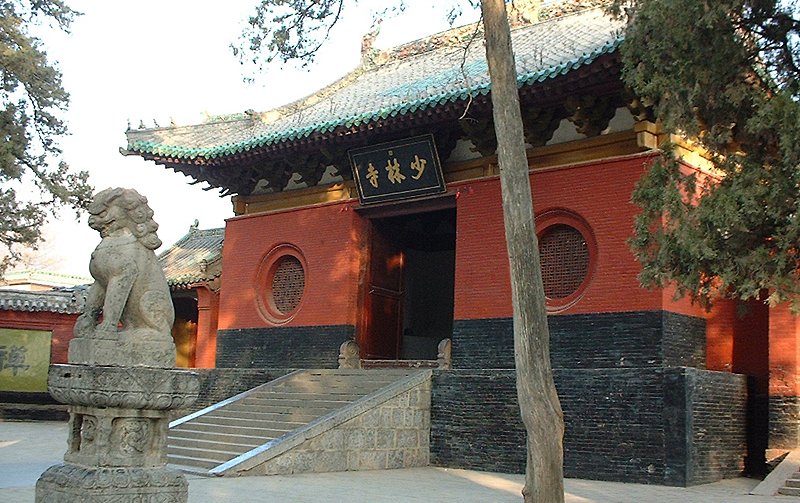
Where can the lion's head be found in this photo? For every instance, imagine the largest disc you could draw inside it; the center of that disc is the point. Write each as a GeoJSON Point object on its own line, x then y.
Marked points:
{"type": "Point", "coordinates": [119, 208]}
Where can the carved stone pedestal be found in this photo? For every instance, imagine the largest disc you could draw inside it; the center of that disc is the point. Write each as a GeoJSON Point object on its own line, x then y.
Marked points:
{"type": "Point", "coordinates": [124, 349]}
{"type": "Point", "coordinates": [119, 418]}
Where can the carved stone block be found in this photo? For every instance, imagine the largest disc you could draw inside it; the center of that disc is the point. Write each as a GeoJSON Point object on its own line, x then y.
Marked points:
{"type": "Point", "coordinates": [67, 483]}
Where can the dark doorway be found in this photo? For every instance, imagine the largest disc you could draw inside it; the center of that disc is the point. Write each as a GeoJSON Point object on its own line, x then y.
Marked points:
{"type": "Point", "coordinates": [184, 330]}
{"type": "Point", "coordinates": [408, 306]}
{"type": "Point", "coordinates": [751, 358]}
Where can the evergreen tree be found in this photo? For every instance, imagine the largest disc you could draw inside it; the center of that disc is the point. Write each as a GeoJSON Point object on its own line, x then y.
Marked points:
{"type": "Point", "coordinates": [725, 75]}
{"type": "Point", "coordinates": [31, 98]}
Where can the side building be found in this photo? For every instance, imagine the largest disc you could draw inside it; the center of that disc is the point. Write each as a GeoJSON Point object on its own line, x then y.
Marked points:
{"type": "Point", "coordinates": [371, 212]}
{"type": "Point", "coordinates": [193, 266]}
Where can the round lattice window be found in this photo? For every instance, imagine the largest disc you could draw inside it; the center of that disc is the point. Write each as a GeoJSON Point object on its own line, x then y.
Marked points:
{"type": "Point", "coordinates": [281, 282]}
{"type": "Point", "coordinates": [564, 254]}
{"type": "Point", "coordinates": [288, 283]}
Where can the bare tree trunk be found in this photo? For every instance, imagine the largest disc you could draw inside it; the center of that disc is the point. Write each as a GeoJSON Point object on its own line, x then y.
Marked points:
{"type": "Point", "coordinates": [536, 392]}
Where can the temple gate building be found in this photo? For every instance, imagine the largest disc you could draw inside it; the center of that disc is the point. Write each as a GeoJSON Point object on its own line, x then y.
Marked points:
{"type": "Point", "coordinates": [371, 212]}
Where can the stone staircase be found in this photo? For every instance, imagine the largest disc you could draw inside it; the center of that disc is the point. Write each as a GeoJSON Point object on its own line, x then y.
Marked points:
{"type": "Point", "coordinates": [791, 487]}
{"type": "Point", "coordinates": [310, 421]}
{"type": "Point", "coordinates": [399, 364]}
{"type": "Point", "coordinates": [783, 479]}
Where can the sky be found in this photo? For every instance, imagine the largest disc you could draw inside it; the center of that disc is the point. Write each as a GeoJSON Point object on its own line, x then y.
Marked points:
{"type": "Point", "coordinates": [156, 60]}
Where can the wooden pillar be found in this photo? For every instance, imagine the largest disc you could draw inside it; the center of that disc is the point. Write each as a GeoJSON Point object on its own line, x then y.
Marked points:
{"type": "Point", "coordinates": [207, 319]}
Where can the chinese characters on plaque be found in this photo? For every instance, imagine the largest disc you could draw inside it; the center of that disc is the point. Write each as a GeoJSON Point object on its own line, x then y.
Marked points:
{"type": "Point", "coordinates": [24, 359]}
{"type": "Point", "coordinates": [397, 170]}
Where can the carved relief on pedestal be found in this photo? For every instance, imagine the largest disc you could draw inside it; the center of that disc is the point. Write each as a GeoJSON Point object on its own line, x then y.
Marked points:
{"type": "Point", "coordinates": [132, 436]}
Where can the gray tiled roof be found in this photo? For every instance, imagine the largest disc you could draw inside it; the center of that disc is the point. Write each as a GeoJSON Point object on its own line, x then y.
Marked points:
{"type": "Point", "coordinates": [413, 77]}
{"type": "Point", "coordinates": [65, 301]}
{"type": "Point", "coordinates": [194, 258]}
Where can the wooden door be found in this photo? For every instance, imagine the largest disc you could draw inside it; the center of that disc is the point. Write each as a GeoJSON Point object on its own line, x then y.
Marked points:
{"type": "Point", "coordinates": [383, 306]}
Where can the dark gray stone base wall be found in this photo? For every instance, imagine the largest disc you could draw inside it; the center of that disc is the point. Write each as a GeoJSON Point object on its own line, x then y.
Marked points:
{"type": "Point", "coordinates": [784, 422]}
{"type": "Point", "coordinates": [23, 406]}
{"type": "Point", "coordinates": [716, 406]}
{"type": "Point", "coordinates": [282, 347]}
{"type": "Point", "coordinates": [671, 426]}
{"type": "Point", "coordinates": [475, 422]}
{"type": "Point", "coordinates": [600, 340]}
{"type": "Point", "coordinates": [684, 340]}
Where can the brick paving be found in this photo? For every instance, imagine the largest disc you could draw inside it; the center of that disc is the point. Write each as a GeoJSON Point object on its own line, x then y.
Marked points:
{"type": "Point", "coordinates": [27, 449]}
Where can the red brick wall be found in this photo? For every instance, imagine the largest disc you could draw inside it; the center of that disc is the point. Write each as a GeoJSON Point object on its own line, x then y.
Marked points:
{"type": "Point", "coordinates": [598, 193]}
{"type": "Point", "coordinates": [59, 324]}
{"type": "Point", "coordinates": [784, 352]}
{"type": "Point", "coordinates": [328, 237]}
{"type": "Point", "coordinates": [737, 339]}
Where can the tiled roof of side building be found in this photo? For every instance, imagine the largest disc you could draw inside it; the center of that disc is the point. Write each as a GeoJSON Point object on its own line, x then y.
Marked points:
{"type": "Point", "coordinates": [41, 277]}
{"type": "Point", "coordinates": [194, 258]}
{"type": "Point", "coordinates": [412, 77]}
{"type": "Point", "coordinates": [65, 301]}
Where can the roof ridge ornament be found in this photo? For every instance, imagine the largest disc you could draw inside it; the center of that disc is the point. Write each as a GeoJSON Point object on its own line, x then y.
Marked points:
{"type": "Point", "coordinates": [524, 12]}
{"type": "Point", "coordinates": [368, 40]}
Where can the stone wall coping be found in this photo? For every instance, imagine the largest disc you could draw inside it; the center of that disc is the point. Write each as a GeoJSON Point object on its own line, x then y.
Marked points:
{"type": "Point", "coordinates": [280, 445]}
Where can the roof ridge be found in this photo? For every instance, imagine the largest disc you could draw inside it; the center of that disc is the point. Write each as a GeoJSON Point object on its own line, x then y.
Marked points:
{"type": "Point", "coordinates": [357, 119]}
{"type": "Point", "coordinates": [43, 272]}
{"type": "Point", "coordinates": [284, 123]}
{"type": "Point", "coordinates": [455, 36]}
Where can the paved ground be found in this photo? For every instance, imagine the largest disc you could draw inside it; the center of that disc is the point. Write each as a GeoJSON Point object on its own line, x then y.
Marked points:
{"type": "Point", "coordinates": [27, 449]}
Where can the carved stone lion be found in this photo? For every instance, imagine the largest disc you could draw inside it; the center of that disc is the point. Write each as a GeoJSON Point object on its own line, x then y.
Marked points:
{"type": "Point", "coordinates": [128, 314]}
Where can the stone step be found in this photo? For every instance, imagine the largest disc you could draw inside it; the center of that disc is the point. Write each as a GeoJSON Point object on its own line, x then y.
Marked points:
{"type": "Point", "coordinates": [238, 426]}
{"type": "Point", "coordinates": [789, 491]}
{"type": "Point", "coordinates": [255, 439]}
{"type": "Point", "coordinates": [236, 444]}
{"type": "Point", "coordinates": [195, 462]}
{"type": "Point", "coordinates": [793, 482]}
{"type": "Point", "coordinates": [260, 415]}
{"type": "Point", "coordinates": [338, 395]}
{"type": "Point", "coordinates": [355, 372]}
{"type": "Point", "coordinates": [268, 402]}
{"type": "Point", "coordinates": [220, 454]}
{"type": "Point", "coordinates": [331, 385]}
{"type": "Point", "coordinates": [305, 409]}
{"type": "Point", "coordinates": [399, 364]}
{"type": "Point", "coordinates": [190, 470]}
{"type": "Point", "coordinates": [205, 431]}
{"type": "Point", "coordinates": [359, 376]}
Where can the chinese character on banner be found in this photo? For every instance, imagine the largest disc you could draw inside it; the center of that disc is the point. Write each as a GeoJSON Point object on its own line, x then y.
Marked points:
{"type": "Point", "coordinates": [393, 167]}
{"type": "Point", "coordinates": [372, 175]}
{"type": "Point", "coordinates": [418, 165]}
{"type": "Point", "coordinates": [16, 359]}
{"type": "Point", "coordinates": [24, 359]}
